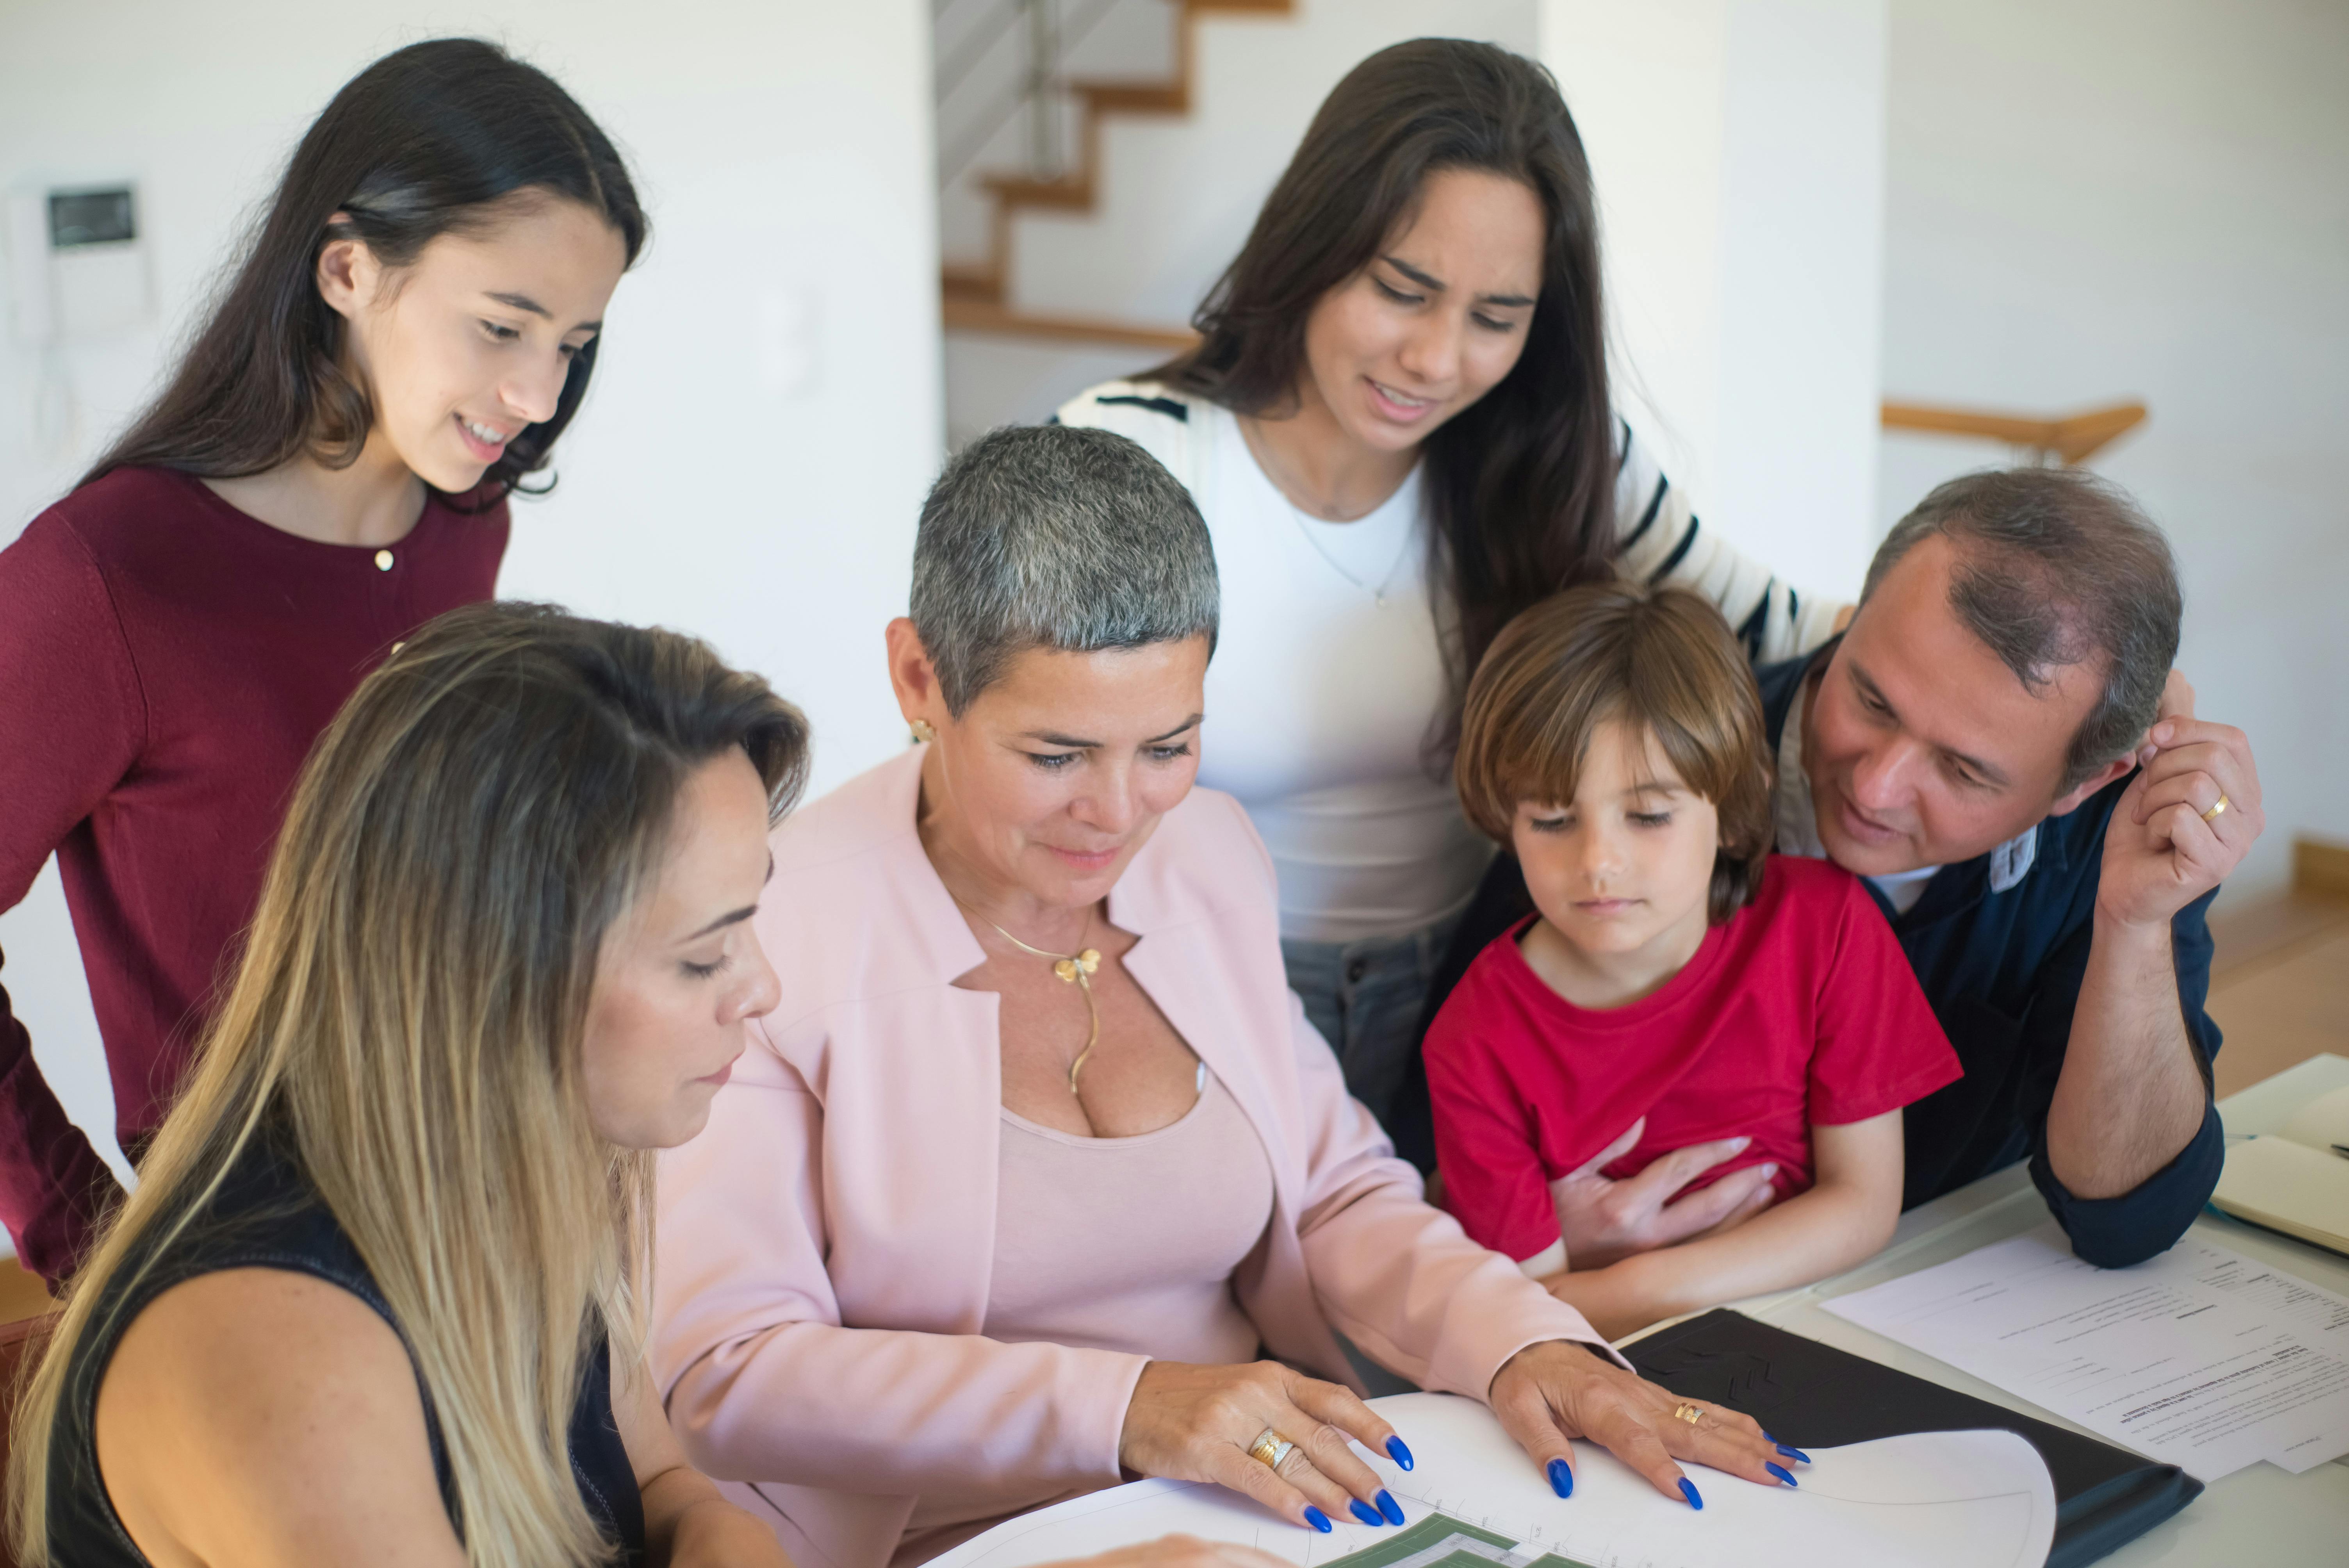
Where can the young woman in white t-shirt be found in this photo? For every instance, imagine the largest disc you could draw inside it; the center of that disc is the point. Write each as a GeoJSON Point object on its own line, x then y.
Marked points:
{"type": "Point", "coordinates": [1397, 425]}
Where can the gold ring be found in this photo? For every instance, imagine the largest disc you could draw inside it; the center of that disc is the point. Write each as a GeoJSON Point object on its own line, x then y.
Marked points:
{"type": "Point", "coordinates": [2212, 814]}
{"type": "Point", "coordinates": [1688, 1413]}
{"type": "Point", "coordinates": [1270, 1449]}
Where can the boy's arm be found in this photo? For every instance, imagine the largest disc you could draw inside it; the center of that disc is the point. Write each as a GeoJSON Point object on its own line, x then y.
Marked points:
{"type": "Point", "coordinates": [1847, 1214]}
{"type": "Point", "coordinates": [1494, 1182]}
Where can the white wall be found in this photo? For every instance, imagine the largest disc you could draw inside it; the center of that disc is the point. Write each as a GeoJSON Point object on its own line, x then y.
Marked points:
{"type": "Point", "coordinates": [2150, 199]}
{"type": "Point", "coordinates": [1737, 148]}
{"type": "Point", "coordinates": [731, 474]}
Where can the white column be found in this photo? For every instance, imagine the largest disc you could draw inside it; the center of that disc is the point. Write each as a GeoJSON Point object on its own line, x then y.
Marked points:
{"type": "Point", "coordinates": [1738, 150]}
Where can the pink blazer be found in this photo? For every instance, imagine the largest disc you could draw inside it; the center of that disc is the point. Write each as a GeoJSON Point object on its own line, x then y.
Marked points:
{"type": "Point", "coordinates": [824, 1248]}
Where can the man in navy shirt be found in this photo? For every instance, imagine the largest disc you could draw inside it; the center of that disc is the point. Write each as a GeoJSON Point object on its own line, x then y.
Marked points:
{"type": "Point", "coordinates": [1987, 746]}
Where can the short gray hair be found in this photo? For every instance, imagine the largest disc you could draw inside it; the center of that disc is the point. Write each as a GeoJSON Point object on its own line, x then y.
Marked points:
{"type": "Point", "coordinates": [2056, 568]}
{"type": "Point", "coordinates": [1051, 536]}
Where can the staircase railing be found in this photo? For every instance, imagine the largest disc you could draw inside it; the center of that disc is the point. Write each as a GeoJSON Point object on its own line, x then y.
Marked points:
{"type": "Point", "coordinates": [1045, 32]}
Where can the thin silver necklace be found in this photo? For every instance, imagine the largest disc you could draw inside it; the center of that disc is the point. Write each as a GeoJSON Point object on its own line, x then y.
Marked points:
{"type": "Point", "coordinates": [1378, 591]}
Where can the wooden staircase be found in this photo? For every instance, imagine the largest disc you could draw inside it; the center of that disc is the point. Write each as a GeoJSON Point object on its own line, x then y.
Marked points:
{"type": "Point", "coordinates": [976, 296]}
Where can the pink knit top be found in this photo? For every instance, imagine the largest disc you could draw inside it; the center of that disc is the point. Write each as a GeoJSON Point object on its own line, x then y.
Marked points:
{"type": "Point", "coordinates": [1116, 1244]}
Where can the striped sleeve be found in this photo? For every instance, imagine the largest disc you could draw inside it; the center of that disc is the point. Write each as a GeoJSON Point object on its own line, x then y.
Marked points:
{"type": "Point", "coordinates": [1660, 540]}
{"type": "Point", "coordinates": [1158, 420]}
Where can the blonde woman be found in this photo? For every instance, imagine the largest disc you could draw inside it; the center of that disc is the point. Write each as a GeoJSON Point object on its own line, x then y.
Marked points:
{"type": "Point", "coordinates": [375, 1299]}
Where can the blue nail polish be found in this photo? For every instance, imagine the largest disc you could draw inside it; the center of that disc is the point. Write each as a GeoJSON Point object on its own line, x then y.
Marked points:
{"type": "Point", "coordinates": [1397, 1452]}
{"type": "Point", "coordinates": [1316, 1519]}
{"type": "Point", "coordinates": [1782, 1473]}
{"type": "Point", "coordinates": [1365, 1512]}
{"type": "Point", "coordinates": [1390, 1507]}
{"type": "Point", "coordinates": [1687, 1491]}
{"type": "Point", "coordinates": [1561, 1478]}
{"type": "Point", "coordinates": [1797, 1455]}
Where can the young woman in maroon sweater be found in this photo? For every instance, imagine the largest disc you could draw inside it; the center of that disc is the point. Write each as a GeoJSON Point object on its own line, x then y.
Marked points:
{"type": "Point", "coordinates": [413, 325]}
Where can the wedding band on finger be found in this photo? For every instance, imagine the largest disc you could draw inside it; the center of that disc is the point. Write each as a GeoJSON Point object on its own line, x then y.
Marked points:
{"type": "Point", "coordinates": [1688, 1413]}
{"type": "Point", "coordinates": [2213, 813]}
{"type": "Point", "coordinates": [1270, 1449]}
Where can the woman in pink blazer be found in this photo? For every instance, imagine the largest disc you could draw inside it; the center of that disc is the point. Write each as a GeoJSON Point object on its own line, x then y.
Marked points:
{"type": "Point", "coordinates": [1039, 1180]}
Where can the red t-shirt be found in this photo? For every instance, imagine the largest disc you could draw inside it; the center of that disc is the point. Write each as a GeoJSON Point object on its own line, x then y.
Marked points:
{"type": "Point", "coordinates": [1800, 1010]}
{"type": "Point", "coordinates": [165, 663]}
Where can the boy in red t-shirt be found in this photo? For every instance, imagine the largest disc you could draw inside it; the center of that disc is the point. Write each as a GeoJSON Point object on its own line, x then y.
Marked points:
{"type": "Point", "coordinates": [1678, 984]}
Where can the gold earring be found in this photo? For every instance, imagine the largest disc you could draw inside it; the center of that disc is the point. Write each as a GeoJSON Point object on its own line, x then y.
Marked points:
{"type": "Point", "coordinates": [923, 731]}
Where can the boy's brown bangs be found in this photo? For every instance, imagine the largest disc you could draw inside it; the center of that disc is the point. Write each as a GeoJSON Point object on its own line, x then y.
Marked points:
{"type": "Point", "coordinates": [1663, 661]}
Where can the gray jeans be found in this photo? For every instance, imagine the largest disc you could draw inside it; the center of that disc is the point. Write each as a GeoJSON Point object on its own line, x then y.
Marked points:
{"type": "Point", "coordinates": [1365, 997]}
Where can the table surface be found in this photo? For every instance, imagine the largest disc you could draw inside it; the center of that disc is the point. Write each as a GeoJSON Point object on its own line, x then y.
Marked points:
{"type": "Point", "coordinates": [2260, 1514]}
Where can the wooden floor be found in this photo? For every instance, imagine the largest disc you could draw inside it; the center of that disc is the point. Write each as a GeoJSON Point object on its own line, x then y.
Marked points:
{"type": "Point", "coordinates": [2280, 984]}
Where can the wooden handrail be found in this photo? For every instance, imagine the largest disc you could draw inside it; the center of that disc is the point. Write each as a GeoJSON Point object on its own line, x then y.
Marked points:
{"type": "Point", "coordinates": [2073, 438]}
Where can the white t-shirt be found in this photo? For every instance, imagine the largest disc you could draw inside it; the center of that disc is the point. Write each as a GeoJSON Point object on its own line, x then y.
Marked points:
{"type": "Point", "coordinates": [1319, 698]}
{"type": "Point", "coordinates": [1327, 758]}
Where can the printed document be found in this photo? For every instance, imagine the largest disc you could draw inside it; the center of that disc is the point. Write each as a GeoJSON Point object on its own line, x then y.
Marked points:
{"type": "Point", "coordinates": [2202, 1358]}
{"type": "Point", "coordinates": [1932, 1500]}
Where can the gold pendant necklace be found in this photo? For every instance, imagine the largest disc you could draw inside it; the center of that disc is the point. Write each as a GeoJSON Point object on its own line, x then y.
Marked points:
{"type": "Point", "coordinates": [1076, 968]}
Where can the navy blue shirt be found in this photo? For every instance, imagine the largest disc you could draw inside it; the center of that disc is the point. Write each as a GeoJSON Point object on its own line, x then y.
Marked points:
{"type": "Point", "coordinates": [2002, 971]}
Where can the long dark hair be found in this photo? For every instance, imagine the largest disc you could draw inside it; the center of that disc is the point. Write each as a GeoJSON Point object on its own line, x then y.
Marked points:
{"type": "Point", "coordinates": [420, 144]}
{"type": "Point", "coordinates": [1520, 484]}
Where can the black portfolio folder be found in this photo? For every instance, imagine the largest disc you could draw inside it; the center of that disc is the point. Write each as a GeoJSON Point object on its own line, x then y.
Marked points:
{"type": "Point", "coordinates": [1814, 1396]}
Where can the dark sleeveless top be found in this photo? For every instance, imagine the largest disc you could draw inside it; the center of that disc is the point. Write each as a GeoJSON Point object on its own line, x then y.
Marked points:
{"type": "Point", "coordinates": [266, 1215]}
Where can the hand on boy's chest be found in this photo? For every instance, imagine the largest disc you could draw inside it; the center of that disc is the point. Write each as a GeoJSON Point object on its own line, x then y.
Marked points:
{"type": "Point", "coordinates": [1727, 1093]}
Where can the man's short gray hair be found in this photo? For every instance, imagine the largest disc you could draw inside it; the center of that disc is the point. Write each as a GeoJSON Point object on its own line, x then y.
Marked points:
{"type": "Point", "coordinates": [1049, 536]}
{"type": "Point", "coordinates": [2058, 568]}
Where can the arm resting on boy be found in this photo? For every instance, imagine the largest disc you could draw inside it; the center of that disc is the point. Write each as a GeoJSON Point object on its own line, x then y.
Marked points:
{"type": "Point", "coordinates": [1847, 1214]}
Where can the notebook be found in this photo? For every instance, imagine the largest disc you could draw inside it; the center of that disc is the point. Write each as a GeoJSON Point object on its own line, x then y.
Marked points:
{"type": "Point", "coordinates": [2296, 1179]}
{"type": "Point", "coordinates": [1815, 1395]}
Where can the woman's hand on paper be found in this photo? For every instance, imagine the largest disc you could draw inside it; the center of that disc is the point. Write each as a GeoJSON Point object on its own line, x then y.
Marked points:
{"type": "Point", "coordinates": [1549, 1393]}
{"type": "Point", "coordinates": [1604, 1221]}
{"type": "Point", "coordinates": [1189, 1422]}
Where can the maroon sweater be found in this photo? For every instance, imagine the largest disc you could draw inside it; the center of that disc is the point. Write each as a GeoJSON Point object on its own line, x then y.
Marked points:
{"type": "Point", "coordinates": [165, 663]}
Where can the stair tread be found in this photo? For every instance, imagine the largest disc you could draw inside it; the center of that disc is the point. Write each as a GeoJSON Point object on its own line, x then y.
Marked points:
{"type": "Point", "coordinates": [973, 294]}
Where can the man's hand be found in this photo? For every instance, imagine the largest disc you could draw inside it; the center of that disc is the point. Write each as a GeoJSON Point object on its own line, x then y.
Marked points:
{"type": "Point", "coordinates": [1603, 1221]}
{"type": "Point", "coordinates": [2163, 848]}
